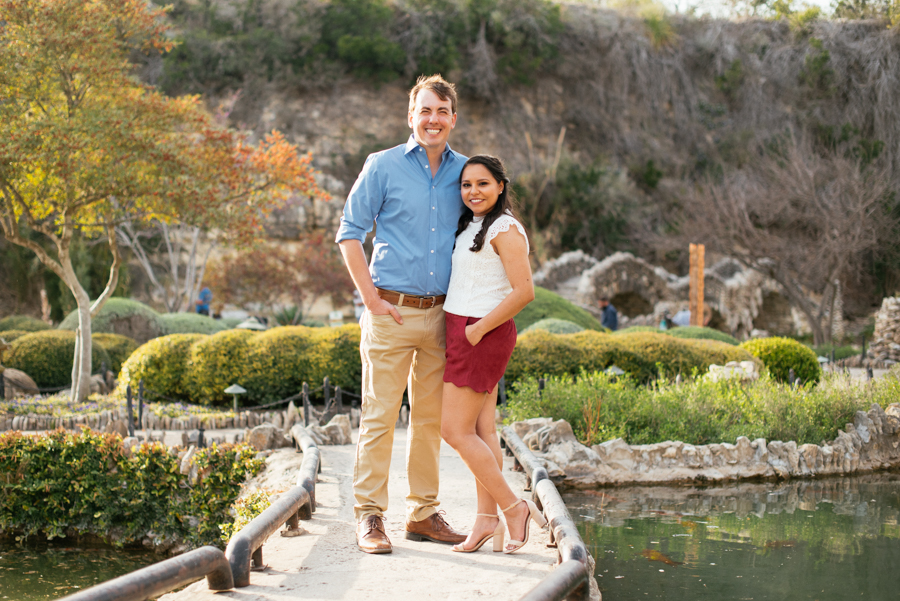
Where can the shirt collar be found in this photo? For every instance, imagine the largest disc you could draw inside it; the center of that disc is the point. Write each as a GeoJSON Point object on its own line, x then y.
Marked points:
{"type": "Point", "coordinates": [411, 145]}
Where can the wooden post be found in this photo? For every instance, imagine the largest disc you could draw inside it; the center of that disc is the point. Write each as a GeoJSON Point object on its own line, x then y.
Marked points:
{"type": "Point", "coordinates": [698, 252]}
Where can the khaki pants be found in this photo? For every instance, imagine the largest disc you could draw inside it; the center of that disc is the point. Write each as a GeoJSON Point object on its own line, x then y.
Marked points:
{"type": "Point", "coordinates": [395, 357]}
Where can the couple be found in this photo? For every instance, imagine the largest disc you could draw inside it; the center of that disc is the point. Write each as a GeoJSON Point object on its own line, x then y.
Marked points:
{"type": "Point", "coordinates": [425, 198]}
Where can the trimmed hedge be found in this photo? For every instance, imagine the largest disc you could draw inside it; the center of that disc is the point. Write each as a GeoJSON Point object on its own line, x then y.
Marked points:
{"type": "Point", "coordinates": [118, 347]}
{"type": "Point", "coordinates": [554, 326]}
{"type": "Point", "coordinates": [270, 365]}
{"type": "Point", "coordinates": [161, 363]}
{"type": "Point", "coordinates": [703, 334]}
{"type": "Point", "coordinates": [640, 354]}
{"type": "Point", "coordinates": [10, 335]}
{"type": "Point", "coordinates": [122, 316]}
{"type": "Point", "coordinates": [780, 355]}
{"type": "Point", "coordinates": [636, 329]}
{"type": "Point", "coordinates": [47, 357]}
{"type": "Point", "coordinates": [547, 304]}
{"type": "Point", "coordinates": [191, 323]}
{"type": "Point", "coordinates": [22, 322]}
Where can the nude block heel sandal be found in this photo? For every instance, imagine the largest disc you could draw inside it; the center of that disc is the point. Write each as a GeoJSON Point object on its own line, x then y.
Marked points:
{"type": "Point", "coordinates": [534, 514]}
{"type": "Point", "coordinates": [497, 535]}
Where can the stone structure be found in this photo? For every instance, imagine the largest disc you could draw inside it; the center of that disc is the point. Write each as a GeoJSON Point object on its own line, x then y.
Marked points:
{"type": "Point", "coordinates": [870, 443]}
{"type": "Point", "coordinates": [741, 300]}
{"type": "Point", "coordinates": [886, 341]}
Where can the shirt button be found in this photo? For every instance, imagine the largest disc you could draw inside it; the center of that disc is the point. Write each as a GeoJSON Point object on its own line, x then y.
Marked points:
{"type": "Point", "coordinates": [432, 208]}
{"type": "Point", "coordinates": [432, 252]}
{"type": "Point", "coordinates": [432, 273]}
{"type": "Point", "coordinates": [432, 229]}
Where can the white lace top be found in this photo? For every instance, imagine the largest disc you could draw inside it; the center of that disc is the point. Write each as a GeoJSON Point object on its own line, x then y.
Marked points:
{"type": "Point", "coordinates": [478, 281]}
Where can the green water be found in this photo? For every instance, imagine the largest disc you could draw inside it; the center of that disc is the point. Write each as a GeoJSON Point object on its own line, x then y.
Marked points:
{"type": "Point", "coordinates": [42, 571]}
{"type": "Point", "coordinates": [822, 540]}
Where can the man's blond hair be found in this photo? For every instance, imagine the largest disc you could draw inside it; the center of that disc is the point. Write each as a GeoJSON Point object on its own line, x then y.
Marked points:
{"type": "Point", "coordinates": [437, 84]}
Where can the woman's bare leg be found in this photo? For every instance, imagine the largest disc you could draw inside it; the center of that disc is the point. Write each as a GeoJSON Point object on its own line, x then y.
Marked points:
{"type": "Point", "coordinates": [467, 424]}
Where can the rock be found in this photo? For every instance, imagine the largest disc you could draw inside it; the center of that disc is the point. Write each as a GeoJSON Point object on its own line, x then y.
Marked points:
{"type": "Point", "coordinates": [185, 466]}
{"type": "Point", "coordinates": [130, 443]}
{"type": "Point", "coordinates": [338, 430]}
{"type": "Point", "coordinates": [117, 426]}
{"type": "Point", "coordinates": [17, 382]}
{"type": "Point", "coordinates": [291, 416]}
{"type": "Point", "coordinates": [265, 437]}
{"type": "Point", "coordinates": [98, 385]}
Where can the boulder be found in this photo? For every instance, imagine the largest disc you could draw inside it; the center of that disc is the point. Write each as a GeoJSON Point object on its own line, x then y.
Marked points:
{"type": "Point", "coordinates": [338, 430]}
{"type": "Point", "coordinates": [17, 382]}
{"type": "Point", "coordinates": [266, 436]}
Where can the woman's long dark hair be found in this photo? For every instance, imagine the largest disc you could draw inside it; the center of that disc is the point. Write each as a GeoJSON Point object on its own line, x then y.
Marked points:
{"type": "Point", "coordinates": [505, 202]}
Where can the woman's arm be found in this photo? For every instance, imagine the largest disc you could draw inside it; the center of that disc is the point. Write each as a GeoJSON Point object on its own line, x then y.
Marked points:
{"type": "Point", "coordinates": [513, 250]}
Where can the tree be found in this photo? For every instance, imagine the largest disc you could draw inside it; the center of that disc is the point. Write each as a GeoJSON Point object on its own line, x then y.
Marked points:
{"type": "Point", "coordinates": [809, 220]}
{"type": "Point", "coordinates": [270, 275]}
{"type": "Point", "coordinates": [84, 147]}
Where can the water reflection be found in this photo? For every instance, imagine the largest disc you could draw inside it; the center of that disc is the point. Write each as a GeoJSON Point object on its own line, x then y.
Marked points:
{"type": "Point", "coordinates": [43, 571]}
{"type": "Point", "coordinates": [825, 539]}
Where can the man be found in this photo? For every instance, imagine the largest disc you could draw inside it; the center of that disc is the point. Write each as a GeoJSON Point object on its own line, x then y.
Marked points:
{"type": "Point", "coordinates": [412, 193]}
{"type": "Point", "coordinates": [610, 317]}
{"type": "Point", "coordinates": [203, 300]}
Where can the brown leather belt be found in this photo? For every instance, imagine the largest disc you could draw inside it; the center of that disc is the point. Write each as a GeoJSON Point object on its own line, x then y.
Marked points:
{"type": "Point", "coordinates": [411, 300]}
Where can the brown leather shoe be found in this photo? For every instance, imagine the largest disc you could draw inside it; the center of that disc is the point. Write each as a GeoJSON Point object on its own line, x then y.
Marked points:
{"type": "Point", "coordinates": [435, 529]}
{"type": "Point", "coordinates": [370, 536]}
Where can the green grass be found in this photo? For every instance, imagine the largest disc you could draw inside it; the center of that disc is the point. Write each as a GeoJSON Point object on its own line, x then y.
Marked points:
{"type": "Point", "coordinates": [547, 304]}
{"type": "Point", "coordinates": [699, 411]}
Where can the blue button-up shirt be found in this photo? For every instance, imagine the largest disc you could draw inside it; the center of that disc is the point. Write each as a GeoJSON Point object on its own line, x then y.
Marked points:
{"type": "Point", "coordinates": [416, 217]}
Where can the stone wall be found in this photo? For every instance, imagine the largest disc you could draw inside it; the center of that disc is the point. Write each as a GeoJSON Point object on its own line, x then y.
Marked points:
{"type": "Point", "coordinates": [871, 442]}
{"type": "Point", "coordinates": [886, 341]}
{"type": "Point", "coordinates": [741, 300]}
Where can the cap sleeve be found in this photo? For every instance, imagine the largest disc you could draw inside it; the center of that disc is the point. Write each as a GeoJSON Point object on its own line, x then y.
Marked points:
{"type": "Point", "coordinates": [502, 224]}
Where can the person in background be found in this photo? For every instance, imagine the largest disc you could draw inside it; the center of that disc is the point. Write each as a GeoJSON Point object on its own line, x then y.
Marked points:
{"type": "Point", "coordinates": [203, 300]}
{"type": "Point", "coordinates": [610, 317]}
{"type": "Point", "coordinates": [666, 322]}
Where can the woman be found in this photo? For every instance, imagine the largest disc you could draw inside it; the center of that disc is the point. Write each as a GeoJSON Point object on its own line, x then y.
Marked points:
{"type": "Point", "coordinates": [490, 282]}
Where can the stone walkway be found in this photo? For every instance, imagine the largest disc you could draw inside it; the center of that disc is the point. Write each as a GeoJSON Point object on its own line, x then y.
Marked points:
{"type": "Point", "coordinates": [325, 563]}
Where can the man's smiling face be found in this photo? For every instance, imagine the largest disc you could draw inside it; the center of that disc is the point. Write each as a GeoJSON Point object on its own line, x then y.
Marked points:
{"type": "Point", "coordinates": [431, 120]}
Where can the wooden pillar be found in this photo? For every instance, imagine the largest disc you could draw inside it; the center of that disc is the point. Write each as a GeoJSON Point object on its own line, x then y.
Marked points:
{"type": "Point", "coordinates": [698, 252]}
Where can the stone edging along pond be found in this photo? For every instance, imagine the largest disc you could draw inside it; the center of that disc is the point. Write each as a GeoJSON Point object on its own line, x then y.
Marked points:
{"type": "Point", "coordinates": [871, 442]}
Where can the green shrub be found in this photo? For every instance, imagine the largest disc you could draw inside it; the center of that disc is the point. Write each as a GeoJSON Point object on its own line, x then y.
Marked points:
{"type": "Point", "coordinates": [554, 326]}
{"type": "Point", "coordinates": [641, 354]}
{"type": "Point", "coordinates": [10, 335]}
{"type": "Point", "coordinates": [230, 322]}
{"type": "Point", "coordinates": [698, 411]}
{"type": "Point", "coordinates": [541, 353]}
{"type": "Point", "coordinates": [47, 357]}
{"type": "Point", "coordinates": [780, 355]}
{"type": "Point", "coordinates": [85, 483]}
{"type": "Point", "coordinates": [191, 323]}
{"type": "Point", "coordinates": [702, 333]}
{"type": "Point", "coordinates": [22, 322]}
{"type": "Point", "coordinates": [840, 352]}
{"type": "Point", "coordinates": [162, 363]}
{"type": "Point", "coordinates": [218, 361]}
{"type": "Point", "coordinates": [547, 304]}
{"type": "Point", "coordinates": [118, 347]}
{"type": "Point", "coordinates": [270, 365]}
{"type": "Point", "coordinates": [245, 511]}
{"type": "Point", "coordinates": [636, 329]}
{"type": "Point", "coordinates": [122, 316]}
{"type": "Point", "coordinates": [277, 362]}
{"type": "Point", "coordinates": [338, 357]}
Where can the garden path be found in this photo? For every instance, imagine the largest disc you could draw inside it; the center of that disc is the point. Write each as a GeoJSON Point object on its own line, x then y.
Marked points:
{"type": "Point", "coordinates": [325, 563]}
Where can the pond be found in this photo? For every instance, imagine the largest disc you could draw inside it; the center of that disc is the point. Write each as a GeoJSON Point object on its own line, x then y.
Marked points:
{"type": "Point", "coordinates": [823, 540]}
{"type": "Point", "coordinates": [49, 571]}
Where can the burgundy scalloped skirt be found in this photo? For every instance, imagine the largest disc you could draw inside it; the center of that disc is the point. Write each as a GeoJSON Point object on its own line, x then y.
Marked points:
{"type": "Point", "coordinates": [479, 367]}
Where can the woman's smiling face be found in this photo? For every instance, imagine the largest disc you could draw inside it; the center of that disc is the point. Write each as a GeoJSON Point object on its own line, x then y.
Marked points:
{"type": "Point", "coordinates": [479, 189]}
